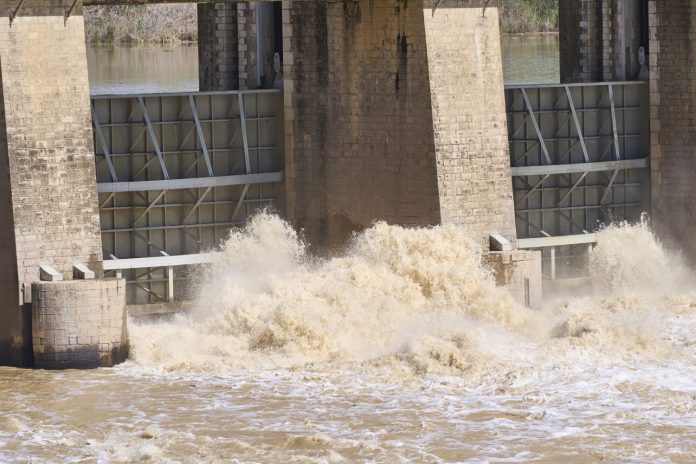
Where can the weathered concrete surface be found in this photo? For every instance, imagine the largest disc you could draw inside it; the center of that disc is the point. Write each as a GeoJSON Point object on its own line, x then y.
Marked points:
{"type": "Point", "coordinates": [218, 47]}
{"type": "Point", "coordinates": [520, 272]}
{"type": "Point", "coordinates": [599, 39]}
{"type": "Point", "coordinates": [469, 119]}
{"type": "Point", "coordinates": [396, 114]}
{"type": "Point", "coordinates": [672, 121]}
{"type": "Point", "coordinates": [230, 56]}
{"type": "Point", "coordinates": [48, 196]}
{"type": "Point", "coordinates": [79, 324]}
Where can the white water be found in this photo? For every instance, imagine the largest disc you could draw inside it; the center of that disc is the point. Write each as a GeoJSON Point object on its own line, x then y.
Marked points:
{"type": "Point", "coordinates": [400, 350]}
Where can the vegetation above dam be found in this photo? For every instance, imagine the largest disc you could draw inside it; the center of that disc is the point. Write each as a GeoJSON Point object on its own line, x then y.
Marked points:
{"type": "Point", "coordinates": [528, 16]}
{"type": "Point", "coordinates": [178, 22]}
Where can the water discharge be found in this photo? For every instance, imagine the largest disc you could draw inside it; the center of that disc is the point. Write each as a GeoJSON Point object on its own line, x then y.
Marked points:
{"type": "Point", "coordinates": [420, 296]}
{"type": "Point", "coordinates": [399, 349]}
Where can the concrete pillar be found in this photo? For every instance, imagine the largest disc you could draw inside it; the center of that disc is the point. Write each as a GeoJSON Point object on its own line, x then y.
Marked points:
{"type": "Point", "coordinates": [600, 39]}
{"type": "Point", "coordinates": [48, 195]}
{"type": "Point", "coordinates": [79, 324]}
{"type": "Point", "coordinates": [672, 122]}
{"type": "Point", "coordinates": [469, 121]}
{"type": "Point", "coordinates": [395, 112]}
{"type": "Point", "coordinates": [218, 47]}
{"type": "Point", "coordinates": [520, 272]}
{"type": "Point", "coordinates": [237, 44]}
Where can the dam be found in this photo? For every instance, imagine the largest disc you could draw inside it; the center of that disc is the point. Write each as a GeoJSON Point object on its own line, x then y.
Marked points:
{"type": "Point", "coordinates": [350, 242]}
{"type": "Point", "coordinates": [523, 168]}
{"type": "Point", "coordinates": [367, 125]}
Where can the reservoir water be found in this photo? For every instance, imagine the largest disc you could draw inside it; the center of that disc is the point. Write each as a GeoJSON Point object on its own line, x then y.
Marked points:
{"type": "Point", "coordinates": [158, 69]}
{"type": "Point", "coordinates": [398, 350]}
{"type": "Point", "coordinates": [144, 69]}
{"type": "Point", "coordinates": [531, 59]}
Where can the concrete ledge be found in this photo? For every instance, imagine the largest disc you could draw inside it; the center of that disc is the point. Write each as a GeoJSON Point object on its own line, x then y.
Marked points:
{"type": "Point", "coordinates": [49, 274]}
{"type": "Point", "coordinates": [80, 271]}
{"type": "Point", "coordinates": [79, 324]}
{"type": "Point", "coordinates": [499, 243]}
{"type": "Point", "coordinates": [520, 272]}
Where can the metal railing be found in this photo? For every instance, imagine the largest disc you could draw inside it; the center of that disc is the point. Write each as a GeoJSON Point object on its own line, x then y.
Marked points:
{"type": "Point", "coordinates": [552, 244]}
{"type": "Point", "coordinates": [158, 262]}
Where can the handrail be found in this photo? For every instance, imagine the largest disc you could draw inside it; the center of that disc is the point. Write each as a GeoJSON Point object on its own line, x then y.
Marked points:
{"type": "Point", "coordinates": [159, 261]}
{"type": "Point", "coordinates": [166, 261]}
{"type": "Point", "coordinates": [562, 240]}
{"type": "Point", "coordinates": [552, 242]}
{"type": "Point", "coordinates": [578, 168]}
{"type": "Point", "coordinates": [574, 84]}
{"type": "Point", "coordinates": [185, 94]}
{"type": "Point", "coordinates": [190, 183]}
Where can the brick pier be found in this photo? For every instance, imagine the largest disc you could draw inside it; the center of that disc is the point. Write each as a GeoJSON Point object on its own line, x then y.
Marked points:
{"type": "Point", "coordinates": [48, 195]}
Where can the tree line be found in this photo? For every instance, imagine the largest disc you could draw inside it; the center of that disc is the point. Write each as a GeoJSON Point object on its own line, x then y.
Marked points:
{"type": "Point", "coordinates": [177, 22]}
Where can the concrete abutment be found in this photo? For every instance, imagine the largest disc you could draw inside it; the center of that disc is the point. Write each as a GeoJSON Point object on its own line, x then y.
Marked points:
{"type": "Point", "coordinates": [395, 113]}
{"type": "Point", "coordinates": [48, 192]}
{"type": "Point", "coordinates": [79, 324]}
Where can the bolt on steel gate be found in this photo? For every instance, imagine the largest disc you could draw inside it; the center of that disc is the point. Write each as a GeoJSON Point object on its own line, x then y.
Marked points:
{"type": "Point", "coordinates": [580, 159]}
{"type": "Point", "coordinates": [175, 172]}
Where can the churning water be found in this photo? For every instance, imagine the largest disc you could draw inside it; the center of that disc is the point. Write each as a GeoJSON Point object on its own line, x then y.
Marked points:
{"type": "Point", "coordinates": [401, 349]}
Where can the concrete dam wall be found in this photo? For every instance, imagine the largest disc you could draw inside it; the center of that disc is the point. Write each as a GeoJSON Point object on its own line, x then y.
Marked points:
{"type": "Point", "coordinates": [373, 130]}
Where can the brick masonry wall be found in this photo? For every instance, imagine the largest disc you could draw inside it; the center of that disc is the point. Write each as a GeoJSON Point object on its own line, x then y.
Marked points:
{"type": "Point", "coordinates": [47, 161]}
{"type": "Point", "coordinates": [672, 123]}
{"type": "Point", "coordinates": [580, 35]}
{"type": "Point", "coordinates": [227, 46]}
{"type": "Point", "coordinates": [79, 323]}
{"type": "Point", "coordinates": [16, 317]}
{"type": "Point", "coordinates": [218, 46]}
{"type": "Point", "coordinates": [385, 119]}
{"type": "Point", "coordinates": [246, 48]}
{"type": "Point", "coordinates": [599, 40]}
{"type": "Point", "coordinates": [468, 105]}
{"type": "Point", "coordinates": [359, 129]}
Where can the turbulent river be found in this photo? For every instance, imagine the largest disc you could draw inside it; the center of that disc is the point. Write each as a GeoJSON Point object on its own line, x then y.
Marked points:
{"type": "Point", "coordinates": [400, 349]}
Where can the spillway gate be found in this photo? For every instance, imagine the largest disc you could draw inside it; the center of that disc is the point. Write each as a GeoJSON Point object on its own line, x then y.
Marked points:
{"type": "Point", "coordinates": [580, 158]}
{"type": "Point", "coordinates": [177, 171]}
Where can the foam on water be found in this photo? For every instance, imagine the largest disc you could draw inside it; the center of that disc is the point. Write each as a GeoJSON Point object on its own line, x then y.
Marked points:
{"type": "Point", "coordinates": [418, 300]}
{"type": "Point", "coordinates": [401, 349]}
{"type": "Point", "coordinates": [417, 294]}
{"type": "Point", "coordinates": [629, 258]}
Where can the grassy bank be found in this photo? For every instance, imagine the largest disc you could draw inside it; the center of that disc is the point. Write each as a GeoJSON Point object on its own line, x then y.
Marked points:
{"type": "Point", "coordinates": [523, 16]}
{"type": "Point", "coordinates": [141, 24]}
{"type": "Point", "coordinates": [177, 22]}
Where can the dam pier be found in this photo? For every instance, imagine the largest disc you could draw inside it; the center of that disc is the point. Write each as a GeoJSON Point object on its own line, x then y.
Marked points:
{"type": "Point", "coordinates": [336, 114]}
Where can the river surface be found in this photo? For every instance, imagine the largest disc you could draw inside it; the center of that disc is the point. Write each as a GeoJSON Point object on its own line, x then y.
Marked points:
{"type": "Point", "coordinates": [145, 69]}
{"type": "Point", "coordinates": [400, 350]}
{"type": "Point", "coordinates": [531, 59]}
{"type": "Point", "coordinates": [155, 69]}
